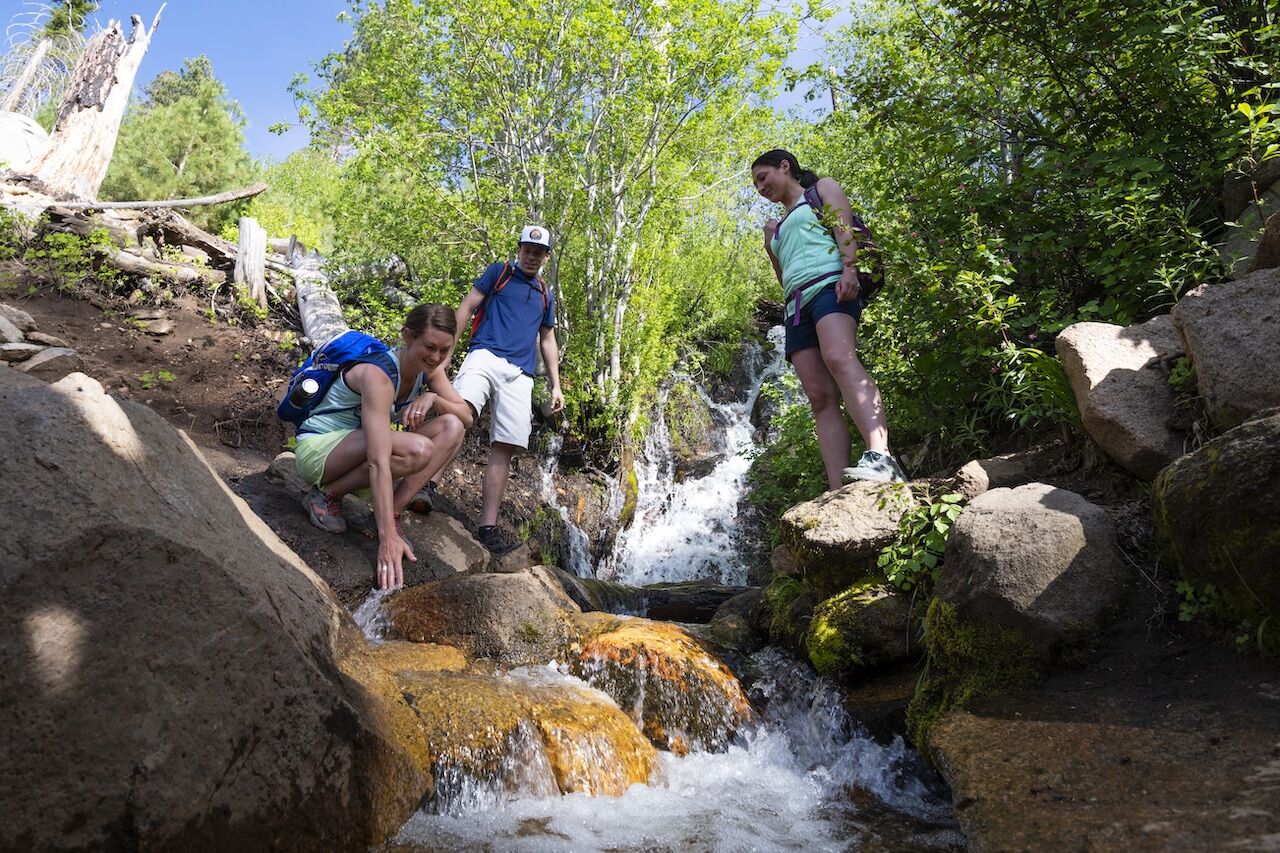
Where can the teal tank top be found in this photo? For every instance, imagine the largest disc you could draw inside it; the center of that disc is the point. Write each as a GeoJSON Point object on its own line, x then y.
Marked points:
{"type": "Point", "coordinates": [340, 408]}
{"type": "Point", "coordinates": [807, 254]}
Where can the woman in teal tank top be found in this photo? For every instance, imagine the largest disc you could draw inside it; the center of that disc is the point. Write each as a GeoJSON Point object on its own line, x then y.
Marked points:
{"type": "Point", "coordinates": [348, 443]}
{"type": "Point", "coordinates": [817, 267]}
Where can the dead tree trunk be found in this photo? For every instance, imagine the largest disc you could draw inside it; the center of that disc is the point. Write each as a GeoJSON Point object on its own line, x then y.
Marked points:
{"type": "Point", "coordinates": [90, 113]}
{"type": "Point", "coordinates": [318, 306]}
{"type": "Point", "coordinates": [251, 259]}
{"type": "Point", "coordinates": [14, 100]}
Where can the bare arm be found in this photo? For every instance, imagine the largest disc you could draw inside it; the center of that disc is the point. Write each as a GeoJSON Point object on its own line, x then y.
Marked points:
{"type": "Point", "coordinates": [551, 358]}
{"type": "Point", "coordinates": [376, 395]}
{"type": "Point", "coordinates": [771, 228]}
{"type": "Point", "coordinates": [469, 304]}
{"type": "Point", "coordinates": [835, 200]}
{"type": "Point", "coordinates": [448, 401]}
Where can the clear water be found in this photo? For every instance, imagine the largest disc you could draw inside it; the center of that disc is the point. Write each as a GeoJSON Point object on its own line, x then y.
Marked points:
{"type": "Point", "coordinates": [579, 546]}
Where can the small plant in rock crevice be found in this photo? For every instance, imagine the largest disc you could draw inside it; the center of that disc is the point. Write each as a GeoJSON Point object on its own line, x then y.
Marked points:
{"type": "Point", "coordinates": [914, 559]}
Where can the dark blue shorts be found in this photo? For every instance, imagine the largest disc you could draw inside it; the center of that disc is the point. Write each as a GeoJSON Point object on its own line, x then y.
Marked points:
{"type": "Point", "coordinates": [804, 335]}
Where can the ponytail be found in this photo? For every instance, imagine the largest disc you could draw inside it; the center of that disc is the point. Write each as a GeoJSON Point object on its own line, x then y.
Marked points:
{"type": "Point", "coordinates": [777, 156]}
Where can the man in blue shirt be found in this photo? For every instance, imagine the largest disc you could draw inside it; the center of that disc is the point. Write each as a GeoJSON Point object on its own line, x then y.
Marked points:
{"type": "Point", "coordinates": [517, 319]}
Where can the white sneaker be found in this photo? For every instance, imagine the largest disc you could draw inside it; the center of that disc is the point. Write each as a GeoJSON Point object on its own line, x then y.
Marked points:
{"type": "Point", "coordinates": [877, 467]}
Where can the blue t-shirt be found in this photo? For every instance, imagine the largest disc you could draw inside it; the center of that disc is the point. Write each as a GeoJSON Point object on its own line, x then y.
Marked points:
{"type": "Point", "coordinates": [513, 316]}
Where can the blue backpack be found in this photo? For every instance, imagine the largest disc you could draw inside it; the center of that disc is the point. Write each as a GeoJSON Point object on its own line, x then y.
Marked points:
{"type": "Point", "coordinates": [325, 365]}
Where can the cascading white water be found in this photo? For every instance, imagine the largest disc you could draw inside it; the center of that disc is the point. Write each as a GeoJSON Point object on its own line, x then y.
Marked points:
{"type": "Point", "coordinates": [785, 785]}
{"type": "Point", "coordinates": [579, 546]}
{"type": "Point", "coordinates": [688, 530]}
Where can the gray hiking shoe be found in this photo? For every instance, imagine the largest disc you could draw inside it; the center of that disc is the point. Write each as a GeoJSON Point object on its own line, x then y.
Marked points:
{"type": "Point", "coordinates": [495, 541]}
{"type": "Point", "coordinates": [425, 500]}
{"type": "Point", "coordinates": [876, 467]}
{"type": "Point", "coordinates": [324, 510]}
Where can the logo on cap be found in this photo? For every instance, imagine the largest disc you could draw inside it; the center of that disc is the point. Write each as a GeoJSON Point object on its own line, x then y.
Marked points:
{"type": "Point", "coordinates": [535, 234]}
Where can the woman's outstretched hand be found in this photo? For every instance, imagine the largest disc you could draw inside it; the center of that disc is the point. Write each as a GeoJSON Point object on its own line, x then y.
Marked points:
{"type": "Point", "coordinates": [392, 551]}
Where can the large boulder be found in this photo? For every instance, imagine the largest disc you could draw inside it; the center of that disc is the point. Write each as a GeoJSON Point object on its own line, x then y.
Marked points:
{"type": "Point", "coordinates": [440, 542]}
{"type": "Point", "coordinates": [1231, 332]}
{"type": "Point", "coordinates": [512, 618]}
{"type": "Point", "coordinates": [1122, 388]}
{"type": "Point", "coordinates": [836, 537]}
{"type": "Point", "coordinates": [687, 601]}
{"type": "Point", "coordinates": [1217, 514]}
{"type": "Point", "coordinates": [175, 677]}
{"type": "Point", "coordinates": [680, 695]}
{"type": "Point", "coordinates": [1037, 559]}
{"type": "Point", "coordinates": [864, 627]}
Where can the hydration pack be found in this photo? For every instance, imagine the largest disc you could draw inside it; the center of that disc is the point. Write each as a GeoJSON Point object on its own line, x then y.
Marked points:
{"type": "Point", "coordinates": [325, 365]}
{"type": "Point", "coordinates": [870, 259]}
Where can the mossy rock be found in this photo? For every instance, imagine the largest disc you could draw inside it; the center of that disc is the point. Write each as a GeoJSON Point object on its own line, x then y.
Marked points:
{"type": "Point", "coordinates": [866, 626]}
{"type": "Point", "coordinates": [790, 603]}
{"type": "Point", "coordinates": [967, 661]}
{"type": "Point", "coordinates": [695, 439]}
{"type": "Point", "coordinates": [1217, 519]}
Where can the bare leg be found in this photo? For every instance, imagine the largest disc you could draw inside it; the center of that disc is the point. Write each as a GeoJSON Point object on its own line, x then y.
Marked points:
{"type": "Point", "coordinates": [824, 399]}
{"type": "Point", "coordinates": [445, 432]}
{"type": "Point", "coordinates": [496, 474]}
{"type": "Point", "coordinates": [838, 341]}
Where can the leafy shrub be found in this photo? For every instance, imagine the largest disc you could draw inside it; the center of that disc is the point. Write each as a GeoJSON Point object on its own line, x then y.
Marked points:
{"type": "Point", "coordinates": [914, 559]}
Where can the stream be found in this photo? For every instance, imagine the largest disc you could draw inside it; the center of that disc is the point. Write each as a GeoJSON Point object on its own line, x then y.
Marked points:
{"type": "Point", "coordinates": [805, 776]}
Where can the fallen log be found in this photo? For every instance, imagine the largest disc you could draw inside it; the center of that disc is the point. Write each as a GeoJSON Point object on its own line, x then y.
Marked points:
{"type": "Point", "coordinates": [172, 229]}
{"type": "Point", "coordinates": [220, 198]}
{"type": "Point", "coordinates": [123, 229]}
{"type": "Point", "coordinates": [128, 262]}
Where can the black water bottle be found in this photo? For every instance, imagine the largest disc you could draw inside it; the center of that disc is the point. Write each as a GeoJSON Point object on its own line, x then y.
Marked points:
{"type": "Point", "coordinates": [303, 393]}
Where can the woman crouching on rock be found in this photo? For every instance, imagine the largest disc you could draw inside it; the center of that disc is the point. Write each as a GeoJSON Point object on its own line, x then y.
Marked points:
{"type": "Point", "coordinates": [817, 267]}
{"type": "Point", "coordinates": [348, 442]}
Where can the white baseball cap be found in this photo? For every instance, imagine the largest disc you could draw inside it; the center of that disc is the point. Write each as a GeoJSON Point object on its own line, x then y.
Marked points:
{"type": "Point", "coordinates": [535, 234]}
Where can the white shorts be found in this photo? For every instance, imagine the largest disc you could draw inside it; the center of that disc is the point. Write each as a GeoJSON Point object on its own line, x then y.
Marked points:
{"type": "Point", "coordinates": [484, 375]}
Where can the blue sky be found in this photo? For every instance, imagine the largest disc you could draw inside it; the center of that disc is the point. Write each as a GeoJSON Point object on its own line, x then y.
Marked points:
{"type": "Point", "coordinates": [257, 46]}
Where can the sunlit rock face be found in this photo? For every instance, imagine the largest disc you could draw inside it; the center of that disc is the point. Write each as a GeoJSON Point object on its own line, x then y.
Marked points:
{"type": "Point", "coordinates": [174, 677]}
{"type": "Point", "coordinates": [531, 731]}
{"type": "Point", "coordinates": [681, 696]}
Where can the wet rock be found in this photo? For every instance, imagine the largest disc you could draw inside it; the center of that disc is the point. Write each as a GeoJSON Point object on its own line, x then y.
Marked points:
{"type": "Point", "coordinates": [1216, 513]}
{"type": "Point", "coordinates": [686, 601]}
{"type": "Point", "coordinates": [511, 618]}
{"type": "Point", "coordinates": [12, 353]}
{"type": "Point", "coordinates": [1231, 332]}
{"type": "Point", "coordinates": [836, 537]}
{"type": "Point", "coordinates": [143, 605]}
{"type": "Point", "coordinates": [677, 692]}
{"type": "Point", "coordinates": [528, 731]}
{"type": "Point", "coordinates": [52, 364]}
{"type": "Point", "coordinates": [1122, 388]}
{"type": "Point", "coordinates": [790, 604]}
{"type": "Point", "coordinates": [594, 595]}
{"type": "Point", "coordinates": [398, 656]}
{"type": "Point", "coordinates": [697, 440]}
{"type": "Point", "coordinates": [867, 626]}
{"type": "Point", "coordinates": [19, 318]}
{"type": "Point", "coordinates": [742, 623]}
{"type": "Point", "coordinates": [1040, 560]}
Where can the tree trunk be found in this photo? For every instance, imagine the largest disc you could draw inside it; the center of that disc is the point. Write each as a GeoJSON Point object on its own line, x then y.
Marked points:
{"type": "Point", "coordinates": [14, 100]}
{"type": "Point", "coordinates": [251, 260]}
{"type": "Point", "coordinates": [89, 116]}
{"type": "Point", "coordinates": [174, 230]}
{"type": "Point", "coordinates": [318, 305]}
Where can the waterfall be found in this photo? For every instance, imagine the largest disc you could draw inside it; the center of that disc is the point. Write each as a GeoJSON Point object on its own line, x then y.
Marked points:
{"type": "Point", "coordinates": [688, 530]}
{"type": "Point", "coordinates": [579, 546]}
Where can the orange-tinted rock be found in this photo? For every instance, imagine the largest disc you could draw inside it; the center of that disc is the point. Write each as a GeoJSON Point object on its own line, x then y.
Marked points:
{"type": "Point", "coordinates": [508, 732]}
{"type": "Point", "coordinates": [681, 695]}
{"type": "Point", "coordinates": [399, 656]}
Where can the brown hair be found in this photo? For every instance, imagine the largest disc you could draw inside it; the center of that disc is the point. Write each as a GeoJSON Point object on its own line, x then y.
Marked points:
{"type": "Point", "coordinates": [777, 156]}
{"type": "Point", "coordinates": [430, 315]}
